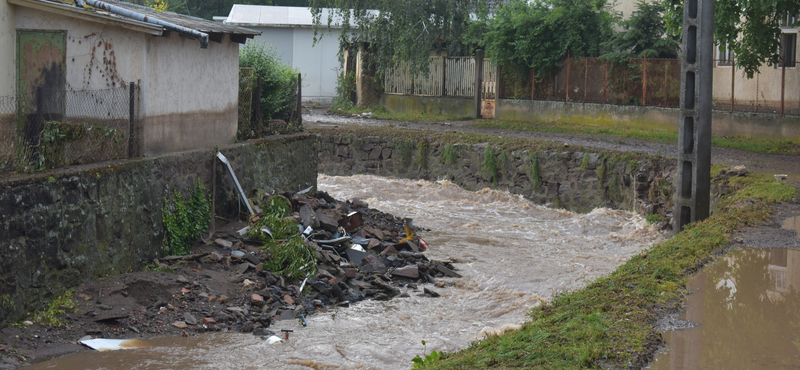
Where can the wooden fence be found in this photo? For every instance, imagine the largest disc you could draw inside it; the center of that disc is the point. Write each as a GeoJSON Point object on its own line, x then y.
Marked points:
{"type": "Point", "coordinates": [448, 76]}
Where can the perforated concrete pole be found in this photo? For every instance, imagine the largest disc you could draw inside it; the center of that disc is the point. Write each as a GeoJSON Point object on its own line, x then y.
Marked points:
{"type": "Point", "coordinates": [694, 158]}
{"type": "Point", "coordinates": [478, 82]}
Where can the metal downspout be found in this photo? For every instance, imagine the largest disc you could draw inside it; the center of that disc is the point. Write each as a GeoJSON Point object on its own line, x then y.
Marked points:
{"type": "Point", "coordinates": [203, 37]}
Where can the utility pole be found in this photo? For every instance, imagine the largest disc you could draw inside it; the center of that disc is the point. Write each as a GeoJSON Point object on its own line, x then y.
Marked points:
{"type": "Point", "coordinates": [694, 159]}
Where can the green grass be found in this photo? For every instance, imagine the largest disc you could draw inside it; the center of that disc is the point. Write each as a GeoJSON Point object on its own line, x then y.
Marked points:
{"type": "Point", "coordinates": [756, 145]}
{"type": "Point", "coordinates": [381, 112]}
{"type": "Point", "coordinates": [610, 323]}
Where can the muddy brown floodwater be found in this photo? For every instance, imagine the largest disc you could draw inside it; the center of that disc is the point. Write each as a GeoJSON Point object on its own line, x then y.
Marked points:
{"type": "Point", "coordinates": [743, 309]}
{"type": "Point", "coordinates": [513, 254]}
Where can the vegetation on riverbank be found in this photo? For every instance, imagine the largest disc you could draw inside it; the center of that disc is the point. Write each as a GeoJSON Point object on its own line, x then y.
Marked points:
{"type": "Point", "coordinates": [755, 145]}
{"type": "Point", "coordinates": [611, 322]}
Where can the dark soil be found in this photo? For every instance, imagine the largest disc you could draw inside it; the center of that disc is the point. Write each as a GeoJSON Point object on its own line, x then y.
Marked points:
{"type": "Point", "coordinates": [222, 287]}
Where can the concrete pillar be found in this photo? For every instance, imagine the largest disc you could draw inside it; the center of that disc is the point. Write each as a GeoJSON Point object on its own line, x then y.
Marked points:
{"type": "Point", "coordinates": [478, 82]}
{"type": "Point", "coordinates": [694, 158]}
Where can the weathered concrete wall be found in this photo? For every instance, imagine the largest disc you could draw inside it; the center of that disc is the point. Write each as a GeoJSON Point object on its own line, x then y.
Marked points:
{"type": "Point", "coordinates": [188, 98]}
{"type": "Point", "coordinates": [62, 228]}
{"type": "Point", "coordinates": [8, 45]}
{"type": "Point", "coordinates": [189, 95]}
{"type": "Point", "coordinates": [458, 107]}
{"type": "Point", "coordinates": [578, 181]}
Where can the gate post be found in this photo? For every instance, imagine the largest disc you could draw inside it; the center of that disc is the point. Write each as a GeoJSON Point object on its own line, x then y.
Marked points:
{"type": "Point", "coordinates": [694, 143]}
{"type": "Point", "coordinates": [478, 82]}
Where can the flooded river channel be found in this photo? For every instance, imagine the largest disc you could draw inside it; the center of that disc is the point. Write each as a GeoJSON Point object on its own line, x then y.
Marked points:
{"type": "Point", "coordinates": [513, 254]}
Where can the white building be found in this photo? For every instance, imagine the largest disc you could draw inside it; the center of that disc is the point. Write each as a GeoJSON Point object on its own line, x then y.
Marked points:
{"type": "Point", "coordinates": [290, 30]}
{"type": "Point", "coordinates": [187, 75]}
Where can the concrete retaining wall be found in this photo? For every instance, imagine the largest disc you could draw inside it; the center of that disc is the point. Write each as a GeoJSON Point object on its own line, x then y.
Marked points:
{"type": "Point", "coordinates": [62, 228]}
{"type": "Point", "coordinates": [578, 181]}
{"type": "Point", "coordinates": [458, 107]}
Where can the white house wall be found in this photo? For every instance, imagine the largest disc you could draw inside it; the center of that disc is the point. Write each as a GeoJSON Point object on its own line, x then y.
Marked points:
{"type": "Point", "coordinates": [318, 63]}
{"type": "Point", "coordinates": [188, 97]}
{"type": "Point", "coordinates": [7, 44]}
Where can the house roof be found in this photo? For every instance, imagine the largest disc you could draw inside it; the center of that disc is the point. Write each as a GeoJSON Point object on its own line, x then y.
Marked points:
{"type": "Point", "coordinates": [215, 30]}
{"type": "Point", "coordinates": [277, 16]}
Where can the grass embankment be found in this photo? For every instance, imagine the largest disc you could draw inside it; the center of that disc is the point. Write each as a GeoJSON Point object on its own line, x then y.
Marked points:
{"type": "Point", "coordinates": [755, 145]}
{"type": "Point", "coordinates": [610, 323]}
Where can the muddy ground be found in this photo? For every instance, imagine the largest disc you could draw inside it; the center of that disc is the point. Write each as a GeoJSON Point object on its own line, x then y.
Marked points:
{"type": "Point", "coordinates": [222, 287]}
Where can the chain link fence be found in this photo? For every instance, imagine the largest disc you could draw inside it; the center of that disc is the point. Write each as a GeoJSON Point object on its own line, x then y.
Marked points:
{"type": "Point", "coordinates": [55, 128]}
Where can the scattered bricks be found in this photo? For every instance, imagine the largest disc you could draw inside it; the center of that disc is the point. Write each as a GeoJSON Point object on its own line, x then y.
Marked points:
{"type": "Point", "coordinates": [390, 250]}
{"type": "Point", "coordinates": [208, 320]}
{"type": "Point", "coordinates": [256, 300]}
{"type": "Point", "coordinates": [180, 325]}
{"type": "Point", "coordinates": [350, 273]}
{"type": "Point", "coordinates": [373, 244]}
{"type": "Point", "coordinates": [447, 271]}
{"type": "Point", "coordinates": [223, 243]}
{"type": "Point", "coordinates": [328, 219]}
{"type": "Point", "coordinates": [189, 319]}
{"type": "Point", "coordinates": [288, 299]}
{"type": "Point", "coordinates": [410, 271]}
{"type": "Point", "coordinates": [431, 293]}
{"type": "Point", "coordinates": [223, 299]}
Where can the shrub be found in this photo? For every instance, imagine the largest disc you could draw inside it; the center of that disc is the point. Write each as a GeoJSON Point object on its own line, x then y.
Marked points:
{"type": "Point", "coordinates": [183, 223]}
{"type": "Point", "coordinates": [278, 81]}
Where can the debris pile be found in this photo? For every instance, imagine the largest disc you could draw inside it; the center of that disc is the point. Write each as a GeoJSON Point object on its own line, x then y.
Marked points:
{"type": "Point", "coordinates": [303, 253]}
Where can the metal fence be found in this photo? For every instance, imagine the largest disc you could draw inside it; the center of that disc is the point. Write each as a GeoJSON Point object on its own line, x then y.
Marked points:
{"type": "Point", "coordinates": [639, 81]}
{"type": "Point", "coordinates": [652, 82]}
{"type": "Point", "coordinates": [447, 76]}
{"type": "Point", "coordinates": [54, 128]}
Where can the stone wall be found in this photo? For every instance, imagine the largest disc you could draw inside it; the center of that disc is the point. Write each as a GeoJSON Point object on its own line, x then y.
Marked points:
{"type": "Point", "coordinates": [575, 180]}
{"type": "Point", "coordinates": [62, 228]}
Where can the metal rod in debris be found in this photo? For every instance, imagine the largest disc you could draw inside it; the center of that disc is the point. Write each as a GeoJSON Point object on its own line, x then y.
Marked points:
{"type": "Point", "coordinates": [236, 181]}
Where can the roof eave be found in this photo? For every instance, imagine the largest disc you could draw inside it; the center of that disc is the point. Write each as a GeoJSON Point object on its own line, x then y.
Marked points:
{"type": "Point", "coordinates": [75, 12]}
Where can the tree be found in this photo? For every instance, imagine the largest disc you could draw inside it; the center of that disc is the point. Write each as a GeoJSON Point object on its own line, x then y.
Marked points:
{"type": "Point", "coordinates": [644, 32]}
{"type": "Point", "coordinates": [751, 29]}
{"type": "Point", "coordinates": [401, 30]}
{"type": "Point", "coordinates": [541, 34]}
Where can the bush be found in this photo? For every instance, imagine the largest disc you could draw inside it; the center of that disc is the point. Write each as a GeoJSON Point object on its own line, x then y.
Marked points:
{"type": "Point", "coordinates": [278, 81]}
{"type": "Point", "coordinates": [184, 222]}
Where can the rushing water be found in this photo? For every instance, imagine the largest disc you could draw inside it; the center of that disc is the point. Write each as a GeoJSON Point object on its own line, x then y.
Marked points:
{"type": "Point", "coordinates": [513, 254]}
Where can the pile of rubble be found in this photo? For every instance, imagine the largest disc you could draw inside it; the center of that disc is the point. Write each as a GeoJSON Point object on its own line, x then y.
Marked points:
{"type": "Point", "coordinates": [361, 254]}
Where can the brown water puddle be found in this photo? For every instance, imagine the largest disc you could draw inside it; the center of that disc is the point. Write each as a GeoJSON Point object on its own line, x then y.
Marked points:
{"type": "Point", "coordinates": [747, 310]}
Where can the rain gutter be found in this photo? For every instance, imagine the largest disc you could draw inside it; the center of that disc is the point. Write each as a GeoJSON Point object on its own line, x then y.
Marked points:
{"type": "Point", "coordinates": [203, 37]}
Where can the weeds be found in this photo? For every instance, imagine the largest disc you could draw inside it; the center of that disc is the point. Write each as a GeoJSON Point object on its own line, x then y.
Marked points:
{"type": "Point", "coordinates": [449, 155]}
{"type": "Point", "coordinates": [49, 315]}
{"type": "Point", "coordinates": [533, 171]}
{"type": "Point", "coordinates": [183, 223]}
{"type": "Point", "coordinates": [489, 165]}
